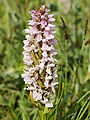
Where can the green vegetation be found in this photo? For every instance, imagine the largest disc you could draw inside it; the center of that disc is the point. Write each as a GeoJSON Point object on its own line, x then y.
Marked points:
{"type": "Point", "coordinates": [73, 46]}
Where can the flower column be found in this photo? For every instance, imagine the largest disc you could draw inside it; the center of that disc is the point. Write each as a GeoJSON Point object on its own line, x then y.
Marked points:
{"type": "Point", "coordinates": [39, 72]}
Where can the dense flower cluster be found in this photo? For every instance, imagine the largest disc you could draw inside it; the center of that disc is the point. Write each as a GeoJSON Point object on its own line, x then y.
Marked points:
{"type": "Point", "coordinates": [39, 73]}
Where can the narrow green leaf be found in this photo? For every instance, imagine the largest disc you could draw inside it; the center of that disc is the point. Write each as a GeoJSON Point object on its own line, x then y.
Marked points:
{"type": "Point", "coordinates": [84, 111]}
{"type": "Point", "coordinates": [83, 96]}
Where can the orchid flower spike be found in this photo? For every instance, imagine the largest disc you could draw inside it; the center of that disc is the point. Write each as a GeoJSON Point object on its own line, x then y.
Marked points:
{"type": "Point", "coordinates": [39, 72]}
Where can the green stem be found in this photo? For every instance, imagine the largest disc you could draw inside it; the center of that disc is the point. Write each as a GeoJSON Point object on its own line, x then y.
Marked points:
{"type": "Point", "coordinates": [41, 115]}
{"type": "Point", "coordinates": [66, 60]}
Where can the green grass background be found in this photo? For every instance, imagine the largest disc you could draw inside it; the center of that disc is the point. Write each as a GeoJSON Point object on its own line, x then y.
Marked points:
{"type": "Point", "coordinates": [73, 56]}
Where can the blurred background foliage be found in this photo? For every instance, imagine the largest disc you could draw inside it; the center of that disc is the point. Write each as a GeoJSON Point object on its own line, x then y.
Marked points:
{"type": "Point", "coordinates": [73, 55]}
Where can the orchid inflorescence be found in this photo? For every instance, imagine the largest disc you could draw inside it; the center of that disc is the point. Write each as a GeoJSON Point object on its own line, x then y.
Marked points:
{"type": "Point", "coordinates": [39, 72]}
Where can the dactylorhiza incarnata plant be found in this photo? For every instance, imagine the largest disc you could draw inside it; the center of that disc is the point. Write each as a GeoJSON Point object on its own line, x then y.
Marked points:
{"type": "Point", "coordinates": [39, 72]}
